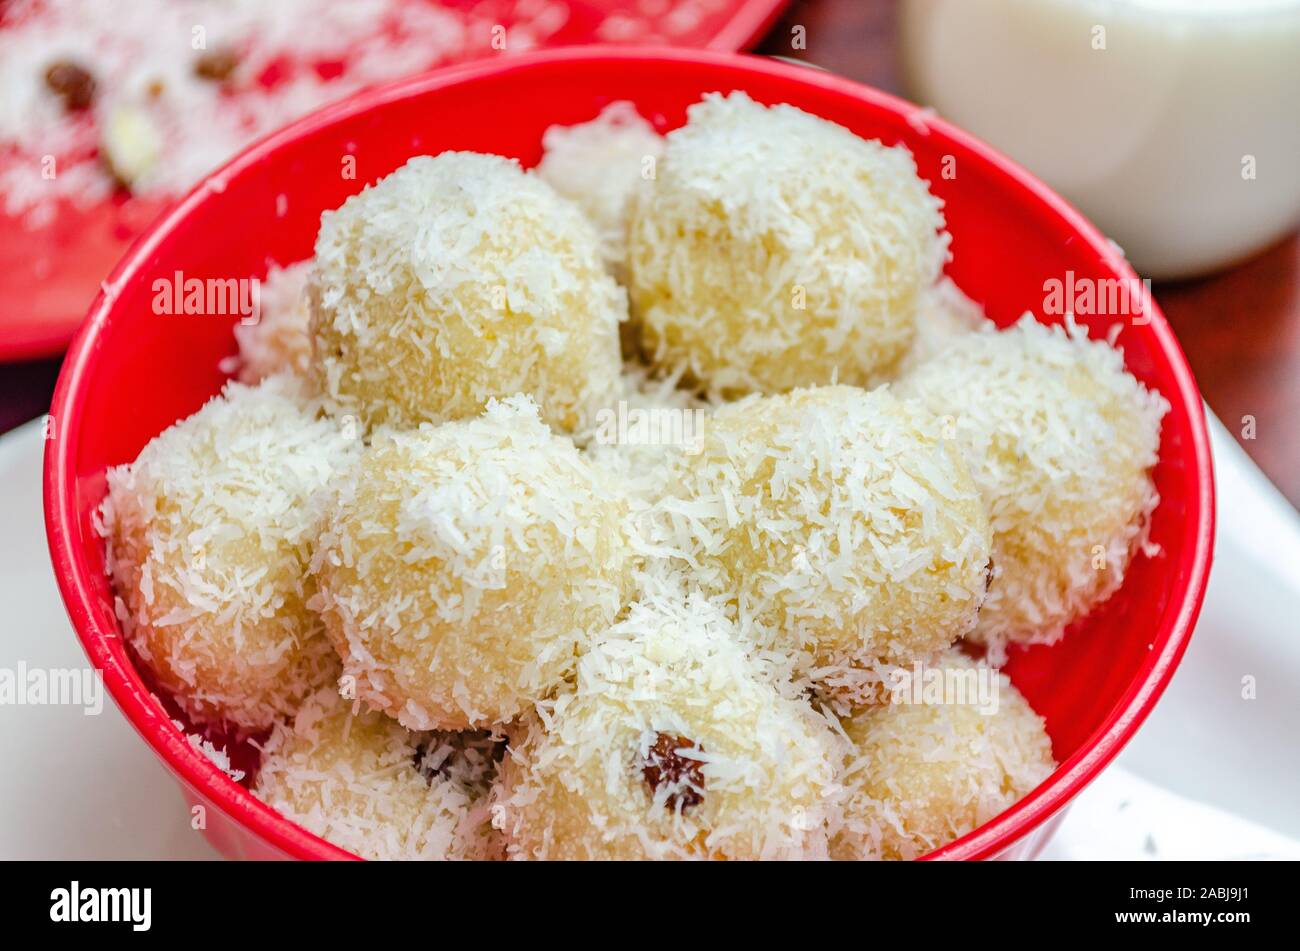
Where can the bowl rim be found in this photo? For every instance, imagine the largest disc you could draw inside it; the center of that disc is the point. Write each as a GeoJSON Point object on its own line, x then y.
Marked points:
{"type": "Point", "coordinates": [197, 772]}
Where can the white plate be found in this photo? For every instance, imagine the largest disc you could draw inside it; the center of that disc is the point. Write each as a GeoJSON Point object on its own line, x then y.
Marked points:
{"type": "Point", "coordinates": [1207, 737]}
{"type": "Point", "coordinates": [76, 786]}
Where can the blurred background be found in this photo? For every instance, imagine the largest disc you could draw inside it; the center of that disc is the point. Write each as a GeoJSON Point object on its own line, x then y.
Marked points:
{"type": "Point", "coordinates": [1173, 124]}
{"type": "Point", "coordinates": [1150, 134]}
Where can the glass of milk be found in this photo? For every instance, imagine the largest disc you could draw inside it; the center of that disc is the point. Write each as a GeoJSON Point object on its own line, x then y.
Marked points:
{"type": "Point", "coordinates": [1173, 124]}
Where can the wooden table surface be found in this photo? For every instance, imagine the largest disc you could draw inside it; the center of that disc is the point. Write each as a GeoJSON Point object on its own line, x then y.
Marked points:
{"type": "Point", "coordinates": [1240, 329]}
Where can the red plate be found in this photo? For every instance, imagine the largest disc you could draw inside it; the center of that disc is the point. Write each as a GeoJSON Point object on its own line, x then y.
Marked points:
{"type": "Point", "coordinates": [49, 275]}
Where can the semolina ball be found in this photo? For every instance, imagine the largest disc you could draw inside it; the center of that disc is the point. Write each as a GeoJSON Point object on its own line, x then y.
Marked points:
{"type": "Point", "coordinates": [461, 567]}
{"type": "Point", "coordinates": [844, 524]}
{"type": "Point", "coordinates": [944, 314]}
{"type": "Point", "coordinates": [279, 341]}
{"type": "Point", "coordinates": [776, 250]}
{"type": "Point", "coordinates": [646, 442]}
{"type": "Point", "coordinates": [937, 762]}
{"type": "Point", "coordinates": [671, 744]}
{"type": "Point", "coordinates": [599, 165]}
{"type": "Point", "coordinates": [457, 279]}
{"type": "Point", "coordinates": [1061, 440]}
{"type": "Point", "coordinates": [209, 536]}
{"type": "Point", "coordinates": [363, 782]}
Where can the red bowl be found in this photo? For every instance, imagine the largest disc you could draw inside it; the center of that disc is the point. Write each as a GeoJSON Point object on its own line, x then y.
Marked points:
{"type": "Point", "coordinates": [130, 374]}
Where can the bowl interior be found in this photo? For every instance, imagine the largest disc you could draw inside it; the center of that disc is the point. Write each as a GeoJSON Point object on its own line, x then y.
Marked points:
{"type": "Point", "coordinates": [132, 373]}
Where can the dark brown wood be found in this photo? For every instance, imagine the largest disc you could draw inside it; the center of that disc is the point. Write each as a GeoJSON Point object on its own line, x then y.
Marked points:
{"type": "Point", "coordinates": [1240, 329]}
{"type": "Point", "coordinates": [1241, 333]}
{"type": "Point", "coordinates": [25, 391]}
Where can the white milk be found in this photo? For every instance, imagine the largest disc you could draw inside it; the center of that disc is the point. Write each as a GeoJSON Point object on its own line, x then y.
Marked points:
{"type": "Point", "coordinates": [1173, 124]}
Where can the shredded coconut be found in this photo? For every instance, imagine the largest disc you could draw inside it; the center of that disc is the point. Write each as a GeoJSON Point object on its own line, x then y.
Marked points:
{"type": "Point", "coordinates": [775, 250]}
{"type": "Point", "coordinates": [369, 786]}
{"type": "Point", "coordinates": [457, 279]}
{"type": "Point", "coordinates": [754, 777]}
{"type": "Point", "coordinates": [462, 566]}
{"type": "Point", "coordinates": [279, 342]}
{"type": "Point", "coordinates": [219, 757]}
{"type": "Point", "coordinates": [1061, 440]}
{"type": "Point", "coordinates": [838, 524]}
{"type": "Point", "coordinates": [943, 314]}
{"type": "Point", "coordinates": [920, 775]}
{"type": "Point", "coordinates": [208, 536]}
{"type": "Point", "coordinates": [682, 612]}
{"type": "Point", "coordinates": [598, 165]}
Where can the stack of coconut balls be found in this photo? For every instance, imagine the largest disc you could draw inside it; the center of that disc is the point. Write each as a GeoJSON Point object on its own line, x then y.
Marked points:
{"type": "Point", "coordinates": [596, 511]}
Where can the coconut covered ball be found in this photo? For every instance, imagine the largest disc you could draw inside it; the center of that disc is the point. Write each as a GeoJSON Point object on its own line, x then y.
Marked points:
{"type": "Point", "coordinates": [841, 523]}
{"type": "Point", "coordinates": [646, 442]}
{"type": "Point", "coordinates": [461, 566]}
{"type": "Point", "coordinates": [777, 250]}
{"type": "Point", "coordinates": [1061, 440]}
{"type": "Point", "coordinates": [208, 541]}
{"type": "Point", "coordinates": [362, 782]}
{"type": "Point", "coordinates": [279, 341]}
{"type": "Point", "coordinates": [943, 314]}
{"type": "Point", "coordinates": [457, 279]}
{"type": "Point", "coordinates": [672, 744]}
{"type": "Point", "coordinates": [598, 165]}
{"type": "Point", "coordinates": [955, 747]}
